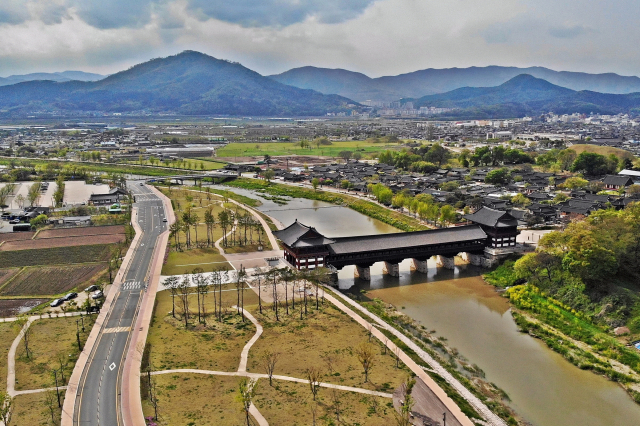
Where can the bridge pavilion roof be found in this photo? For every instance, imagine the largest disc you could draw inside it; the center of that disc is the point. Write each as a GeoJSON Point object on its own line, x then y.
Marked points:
{"type": "Point", "coordinates": [492, 218]}
{"type": "Point", "coordinates": [300, 235]}
{"type": "Point", "coordinates": [406, 239]}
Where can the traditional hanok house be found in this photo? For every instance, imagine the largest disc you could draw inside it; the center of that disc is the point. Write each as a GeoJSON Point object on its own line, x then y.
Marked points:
{"type": "Point", "coordinates": [577, 209]}
{"type": "Point", "coordinates": [546, 212]}
{"type": "Point", "coordinates": [616, 182]}
{"type": "Point", "coordinates": [304, 247]}
{"type": "Point", "coordinates": [115, 195]}
{"type": "Point", "coordinates": [501, 227]}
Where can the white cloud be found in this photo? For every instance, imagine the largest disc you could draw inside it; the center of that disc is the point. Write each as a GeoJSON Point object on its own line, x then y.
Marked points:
{"type": "Point", "coordinates": [376, 37]}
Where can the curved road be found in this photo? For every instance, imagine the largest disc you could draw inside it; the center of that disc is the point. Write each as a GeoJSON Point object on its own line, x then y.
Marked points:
{"type": "Point", "coordinates": [98, 397]}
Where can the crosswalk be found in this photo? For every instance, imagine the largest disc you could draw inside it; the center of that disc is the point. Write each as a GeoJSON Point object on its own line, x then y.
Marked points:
{"type": "Point", "coordinates": [116, 330]}
{"type": "Point", "coordinates": [131, 285]}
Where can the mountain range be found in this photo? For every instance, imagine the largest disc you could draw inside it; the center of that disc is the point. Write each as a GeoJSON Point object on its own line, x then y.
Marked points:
{"type": "Point", "coordinates": [359, 87]}
{"type": "Point", "coordinates": [52, 76]}
{"type": "Point", "coordinates": [527, 95]}
{"type": "Point", "coordinates": [190, 83]}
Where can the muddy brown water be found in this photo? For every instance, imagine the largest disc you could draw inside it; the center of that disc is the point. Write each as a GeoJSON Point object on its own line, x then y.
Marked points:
{"type": "Point", "coordinates": [544, 388]}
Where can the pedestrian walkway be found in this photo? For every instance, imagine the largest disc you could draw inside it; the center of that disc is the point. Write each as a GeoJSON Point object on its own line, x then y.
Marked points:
{"type": "Point", "coordinates": [490, 417]}
{"type": "Point", "coordinates": [244, 356]}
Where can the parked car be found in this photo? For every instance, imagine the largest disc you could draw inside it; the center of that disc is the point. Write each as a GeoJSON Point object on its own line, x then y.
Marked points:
{"type": "Point", "coordinates": [91, 288]}
{"type": "Point", "coordinates": [56, 303]}
{"type": "Point", "coordinates": [164, 219]}
{"type": "Point", "coordinates": [70, 296]}
{"type": "Point", "coordinates": [141, 184]}
{"type": "Point", "coordinates": [97, 295]}
{"type": "Point", "coordinates": [14, 221]}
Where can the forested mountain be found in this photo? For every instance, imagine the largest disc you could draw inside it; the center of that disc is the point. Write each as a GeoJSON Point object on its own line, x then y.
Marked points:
{"type": "Point", "coordinates": [53, 76]}
{"type": "Point", "coordinates": [189, 83]}
{"type": "Point", "coordinates": [527, 95]}
{"type": "Point", "coordinates": [431, 81]}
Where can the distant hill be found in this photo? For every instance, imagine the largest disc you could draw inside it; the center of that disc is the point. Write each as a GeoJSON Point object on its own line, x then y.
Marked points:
{"type": "Point", "coordinates": [431, 81]}
{"type": "Point", "coordinates": [55, 76]}
{"type": "Point", "coordinates": [527, 95]}
{"type": "Point", "coordinates": [189, 83]}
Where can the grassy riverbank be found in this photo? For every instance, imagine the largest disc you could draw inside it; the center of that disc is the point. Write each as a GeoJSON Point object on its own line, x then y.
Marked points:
{"type": "Point", "coordinates": [93, 167]}
{"type": "Point", "coordinates": [368, 208]}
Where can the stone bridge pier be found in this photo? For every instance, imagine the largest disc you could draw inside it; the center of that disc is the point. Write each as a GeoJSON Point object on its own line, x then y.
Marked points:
{"type": "Point", "coordinates": [446, 262]}
{"type": "Point", "coordinates": [363, 272]}
{"type": "Point", "coordinates": [392, 268]}
{"type": "Point", "coordinates": [477, 259]}
{"type": "Point", "coordinates": [421, 265]}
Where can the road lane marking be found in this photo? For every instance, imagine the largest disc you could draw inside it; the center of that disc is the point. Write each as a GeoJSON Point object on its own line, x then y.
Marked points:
{"type": "Point", "coordinates": [116, 330]}
{"type": "Point", "coordinates": [112, 366]}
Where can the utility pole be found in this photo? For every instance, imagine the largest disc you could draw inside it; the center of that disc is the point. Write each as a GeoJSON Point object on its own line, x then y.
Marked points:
{"type": "Point", "coordinates": [82, 319]}
{"type": "Point", "coordinates": [444, 419]}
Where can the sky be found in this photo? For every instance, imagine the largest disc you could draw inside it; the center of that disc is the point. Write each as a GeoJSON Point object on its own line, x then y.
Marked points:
{"type": "Point", "coordinates": [376, 37]}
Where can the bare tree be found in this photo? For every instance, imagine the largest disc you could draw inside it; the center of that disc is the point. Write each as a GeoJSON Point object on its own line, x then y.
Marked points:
{"type": "Point", "coordinates": [369, 331]}
{"type": "Point", "coordinates": [385, 342]}
{"type": "Point", "coordinates": [6, 407]}
{"type": "Point", "coordinates": [336, 404]}
{"type": "Point", "coordinates": [184, 298]}
{"type": "Point", "coordinates": [240, 276]}
{"type": "Point", "coordinates": [22, 324]}
{"type": "Point", "coordinates": [50, 401]}
{"type": "Point", "coordinates": [153, 397]}
{"type": "Point", "coordinates": [403, 414]}
{"type": "Point", "coordinates": [366, 356]}
{"type": "Point", "coordinates": [269, 360]}
{"type": "Point", "coordinates": [313, 375]}
{"type": "Point", "coordinates": [246, 393]}
{"type": "Point", "coordinates": [330, 359]}
{"type": "Point", "coordinates": [201, 289]}
{"type": "Point", "coordinates": [397, 351]}
{"type": "Point", "coordinates": [172, 283]}
{"type": "Point", "coordinates": [63, 361]}
{"type": "Point", "coordinates": [258, 272]}
{"type": "Point", "coordinates": [214, 280]}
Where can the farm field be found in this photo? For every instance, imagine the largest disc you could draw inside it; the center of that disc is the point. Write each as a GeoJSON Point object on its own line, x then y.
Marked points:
{"type": "Point", "coordinates": [6, 274]}
{"type": "Point", "coordinates": [13, 307]}
{"type": "Point", "coordinates": [55, 256]}
{"type": "Point", "coordinates": [51, 280]}
{"type": "Point", "coordinates": [45, 243]}
{"type": "Point", "coordinates": [16, 236]}
{"type": "Point", "coordinates": [190, 164]}
{"type": "Point", "coordinates": [78, 232]}
{"type": "Point", "coordinates": [50, 337]}
{"type": "Point", "coordinates": [288, 148]}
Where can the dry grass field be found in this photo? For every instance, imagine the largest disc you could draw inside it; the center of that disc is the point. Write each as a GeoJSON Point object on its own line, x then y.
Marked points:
{"type": "Point", "coordinates": [325, 339]}
{"type": "Point", "coordinates": [180, 262]}
{"type": "Point", "coordinates": [193, 399]}
{"type": "Point", "coordinates": [50, 338]}
{"type": "Point", "coordinates": [291, 404]}
{"type": "Point", "coordinates": [45, 243]}
{"type": "Point", "coordinates": [51, 280]}
{"type": "Point", "coordinates": [602, 150]}
{"type": "Point", "coordinates": [213, 346]}
{"type": "Point", "coordinates": [8, 333]}
{"type": "Point", "coordinates": [31, 410]}
{"type": "Point", "coordinates": [6, 274]}
{"type": "Point", "coordinates": [78, 232]}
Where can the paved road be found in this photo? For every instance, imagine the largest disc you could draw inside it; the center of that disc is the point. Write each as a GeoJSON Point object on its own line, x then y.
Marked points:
{"type": "Point", "coordinates": [98, 398]}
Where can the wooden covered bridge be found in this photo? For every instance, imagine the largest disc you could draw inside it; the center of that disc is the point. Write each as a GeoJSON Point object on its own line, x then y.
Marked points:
{"type": "Point", "coordinates": [306, 248]}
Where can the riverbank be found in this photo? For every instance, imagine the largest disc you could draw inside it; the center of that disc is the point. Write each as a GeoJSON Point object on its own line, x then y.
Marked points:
{"type": "Point", "coordinates": [569, 332]}
{"type": "Point", "coordinates": [368, 208]}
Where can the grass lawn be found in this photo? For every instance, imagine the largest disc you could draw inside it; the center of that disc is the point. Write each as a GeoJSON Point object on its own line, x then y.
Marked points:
{"type": "Point", "coordinates": [291, 404]}
{"type": "Point", "coordinates": [208, 259]}
{"type": "Point", "coordinates": [307, 342]}
{"type": "Point", "coordinates": [49, 337]}
{"type": "Point", "coordinates": [8, 333]}
{"type": "Point", "coordinates": [193, 399]}
{"type": "Point", "coordinates": [288, 148]}
{"type": "Point", "coordinates": [32, 410]}
{"type": "Point", "coordinates": [213, 346]}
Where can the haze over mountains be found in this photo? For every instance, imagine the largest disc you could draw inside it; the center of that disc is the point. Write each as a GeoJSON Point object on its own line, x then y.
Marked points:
{"type": "Point", "coordinates": [527, 95]}
{"type": "Point", "coordinates": [53, 76]}
{"type": "Point", "coordinates": [360, 87]}
{"type": "Point", "coordinates": [192, 83]}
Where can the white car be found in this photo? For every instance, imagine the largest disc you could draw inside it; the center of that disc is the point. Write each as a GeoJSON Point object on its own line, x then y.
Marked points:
{"type": "Point", "coordinates": [97, 295]}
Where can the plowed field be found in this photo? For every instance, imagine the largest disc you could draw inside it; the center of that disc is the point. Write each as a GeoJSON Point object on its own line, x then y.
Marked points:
{"type": "Point", "coordinates": [54, 256]}
{"type": "Point", "coordinates": [79, 232]}
{"type": "Point", "coordinates": [61, 242]}
{"type": "Point", "coordinates": [50, 280]}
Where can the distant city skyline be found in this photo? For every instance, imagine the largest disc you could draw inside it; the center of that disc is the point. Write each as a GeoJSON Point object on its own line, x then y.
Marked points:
{"type": "Point", "coordinates": [375, 37]}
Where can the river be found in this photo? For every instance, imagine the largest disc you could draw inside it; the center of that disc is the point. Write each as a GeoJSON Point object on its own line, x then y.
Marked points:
{"type": "Point", "coordinates": [544, 388]}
